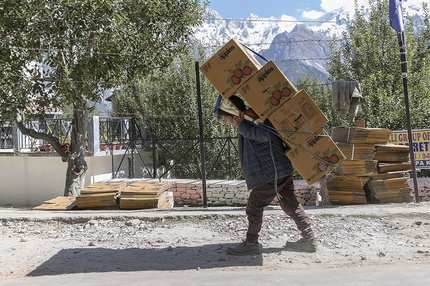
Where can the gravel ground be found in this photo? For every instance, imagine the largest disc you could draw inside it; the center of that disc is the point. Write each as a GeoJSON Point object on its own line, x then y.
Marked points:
{"type": "Point", "coordinates": [137, 241]}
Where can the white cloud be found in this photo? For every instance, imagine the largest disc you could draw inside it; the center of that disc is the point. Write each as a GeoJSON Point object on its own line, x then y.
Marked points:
{"type": "Point", "coordinates": [330, 5]}
{"type": "Point", "coordinates": [415, 2]}
{"type": "Point", "coordinates": [312, 14]}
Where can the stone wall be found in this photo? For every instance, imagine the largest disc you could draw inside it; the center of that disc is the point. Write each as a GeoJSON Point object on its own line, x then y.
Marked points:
{"type": "Point", "coordinates": [229, 193]}
{"type": "Point", "coordinates": [235, 193]}
{"type": "Point", "coordinates": [424, 189]}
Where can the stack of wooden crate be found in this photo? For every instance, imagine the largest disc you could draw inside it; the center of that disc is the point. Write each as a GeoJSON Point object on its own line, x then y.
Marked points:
{"type": "Point", "coordinates": [373, 172]}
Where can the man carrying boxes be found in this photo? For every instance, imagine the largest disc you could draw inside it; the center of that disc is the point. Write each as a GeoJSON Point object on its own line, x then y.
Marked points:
{"type": "Point", "coordinates": [285, 127]}
{"type": "Point", "coordinates": [268, 173]}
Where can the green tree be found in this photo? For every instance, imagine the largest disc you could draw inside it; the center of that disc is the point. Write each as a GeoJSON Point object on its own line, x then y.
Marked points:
{"type": "Point", "coordinates": [167, 102]}
{"type": "Point", "coordinates": [368, 53]}
{"type": "Point", "coordinates": [68, 52]}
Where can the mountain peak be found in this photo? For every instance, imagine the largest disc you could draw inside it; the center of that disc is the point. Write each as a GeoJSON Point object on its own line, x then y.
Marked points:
{"type": "Point", "coordinates": [295, 46]}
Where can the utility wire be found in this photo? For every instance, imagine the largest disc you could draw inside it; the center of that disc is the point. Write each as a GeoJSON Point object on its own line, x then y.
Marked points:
{"type": "Point", "coordinates": [269, 20]}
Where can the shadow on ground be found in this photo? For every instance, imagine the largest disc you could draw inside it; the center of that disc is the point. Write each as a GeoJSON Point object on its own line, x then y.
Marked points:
{"type": "Point", "coordinates": [86, 260]}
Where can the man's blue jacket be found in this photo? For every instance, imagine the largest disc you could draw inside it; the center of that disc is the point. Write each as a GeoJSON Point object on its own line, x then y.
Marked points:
{"type": "Point", "coordinates": [262, 154]}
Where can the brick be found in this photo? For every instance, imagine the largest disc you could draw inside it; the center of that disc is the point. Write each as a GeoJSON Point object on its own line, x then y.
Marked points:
{"type": "Point", "coordinates": [185, 196]}
{"type": "Point", "coordinates": [195, 197]}
{"type": "Point", "coordinates": [191, 192]}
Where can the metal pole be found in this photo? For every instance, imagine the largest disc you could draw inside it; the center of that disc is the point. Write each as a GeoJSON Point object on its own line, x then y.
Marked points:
{"type": "Point", "coordinates": [133, 144]}
{"type": "Point", "coordinates": [154, 160]}
{"type": "Point", "coordinates": [404, 64]}
{"type": "Point", "coordinates": [202, 142]}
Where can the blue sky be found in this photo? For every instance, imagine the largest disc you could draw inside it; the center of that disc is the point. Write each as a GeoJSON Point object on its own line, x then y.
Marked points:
{"type": "Point", "coordinates": [300, 9]}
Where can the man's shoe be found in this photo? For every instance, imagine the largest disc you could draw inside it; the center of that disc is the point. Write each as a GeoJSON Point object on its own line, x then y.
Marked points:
{"type": "Point", "coordinates": [243, 249]}
{"type": "Point", "coordinates": [302, 245]}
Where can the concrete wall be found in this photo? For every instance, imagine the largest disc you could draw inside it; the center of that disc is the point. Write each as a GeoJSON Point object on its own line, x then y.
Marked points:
{"type": "Point", "coordinates": [31, 180]}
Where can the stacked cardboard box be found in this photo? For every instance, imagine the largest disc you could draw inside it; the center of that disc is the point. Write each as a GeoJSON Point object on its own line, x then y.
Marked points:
{"type": "Point", "coordinates": [230, 67]}
{"type": "Point", "coordinates": [293, 114]}
{"type": "Point", "coordinates": [345, 190]}
{"type": "Point", "coordinates": [99, 195]}
{"type": "Point", "coordinates": [357, 151]}
{"type": "Point", "coordinates": [315, 157]}
{"type": "Point", "coordinates": [360, 135]}
{"type": "Point", "coordinates": [144, 195]}
{"type": "Point", "coordinates": [125, 194]}
{"type": "Point", "coordinates": [267, 90]}
{"type": "Point", "coordinates": [59, 203]}
{"type": "Point", "coordinates": [391, 185]}
{"type": "Point", "coordinates": [377, 169]}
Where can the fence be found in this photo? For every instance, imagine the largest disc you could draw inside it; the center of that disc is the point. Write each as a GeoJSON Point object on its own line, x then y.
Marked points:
{"type": "Point", "coordinates": [142, 156]}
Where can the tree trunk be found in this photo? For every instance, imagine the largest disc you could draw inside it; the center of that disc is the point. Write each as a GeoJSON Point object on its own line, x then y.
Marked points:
{"type": "Point", "coordinates": [76, 164]}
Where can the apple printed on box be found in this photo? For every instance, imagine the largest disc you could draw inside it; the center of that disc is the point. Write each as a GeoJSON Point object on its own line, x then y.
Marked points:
{"type": "Point", "coordinates": [240, 73]}
{"type": "Point", "coordinates": [329, 158]}
{"type": "Point", "coordinates": [279, 92]}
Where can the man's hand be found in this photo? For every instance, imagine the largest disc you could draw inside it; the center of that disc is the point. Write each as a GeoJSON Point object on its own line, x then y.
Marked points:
{"type": "Point", "coordinates": [237, 120]}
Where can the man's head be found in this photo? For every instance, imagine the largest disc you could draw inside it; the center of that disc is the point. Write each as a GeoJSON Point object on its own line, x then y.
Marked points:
{"type": "Point", "coordinates": [238, 102]}
{"type": "Point", "coordinates": [228, 117]}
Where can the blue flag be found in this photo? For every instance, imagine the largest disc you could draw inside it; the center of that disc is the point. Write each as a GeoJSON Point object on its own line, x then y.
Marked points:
{"type": "Point", "coordinates": [396, 15]}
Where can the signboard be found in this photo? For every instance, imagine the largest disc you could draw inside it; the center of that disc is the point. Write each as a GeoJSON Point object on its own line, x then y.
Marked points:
{"type": "Point", "coordinates": [421, 145]}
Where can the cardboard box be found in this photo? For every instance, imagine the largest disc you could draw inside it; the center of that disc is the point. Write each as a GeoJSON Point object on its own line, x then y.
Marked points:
{"type": "Point", "coordinates": [317, 156]}
{"type": "Point", "coordinates": [267, 90]}
{"type": "Point", "coordinates": [298, 118]}
{"type": "Point", "coordinates": [230, 67]}
{"type": "Point", "coordinates": [357, 135]}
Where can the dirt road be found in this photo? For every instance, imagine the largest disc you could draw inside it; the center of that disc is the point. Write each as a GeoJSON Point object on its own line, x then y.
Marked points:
{"type": "Point", "coordinates": [39, 243]}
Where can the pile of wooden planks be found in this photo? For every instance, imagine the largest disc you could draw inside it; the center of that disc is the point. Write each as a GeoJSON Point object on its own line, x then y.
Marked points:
{"type": "Point", "coordinates": [143, 194]}
{"type": "Point", "coordinates": [373, 172]}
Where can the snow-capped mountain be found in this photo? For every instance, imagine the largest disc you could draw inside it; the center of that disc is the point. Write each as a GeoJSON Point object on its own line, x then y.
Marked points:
{"type": "Point", "coordinates": [252, 31]}
{"type": "Point", "coordinates": [293, 45]}
{"type": "Point", "coordinates": [296, 47]}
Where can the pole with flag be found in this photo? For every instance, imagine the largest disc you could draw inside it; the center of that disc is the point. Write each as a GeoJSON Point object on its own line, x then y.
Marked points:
{"type": "Point", "coordinates": [396, 22]}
